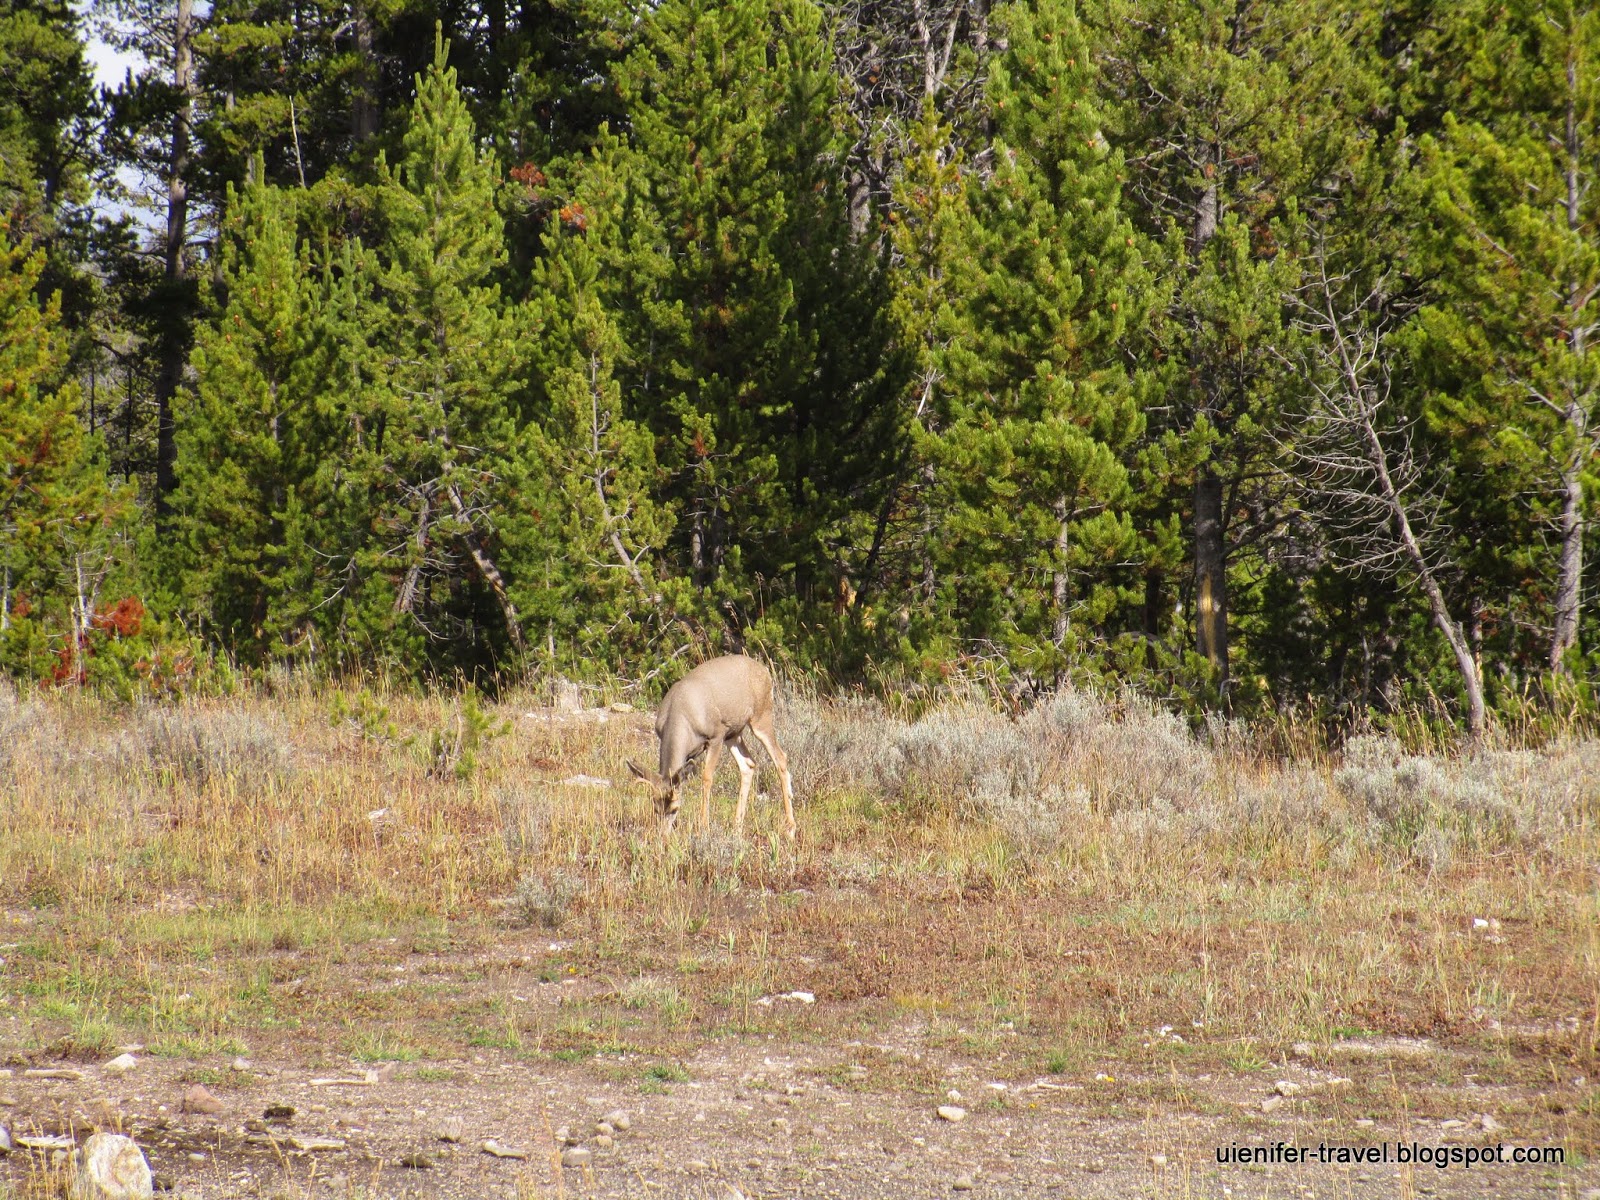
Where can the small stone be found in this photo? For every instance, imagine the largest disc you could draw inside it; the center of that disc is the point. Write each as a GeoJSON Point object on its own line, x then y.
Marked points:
{"type": "Point", "coordinates": [577, 1156]}
{"type": "Point", "coordinates": [604, 1141]}
{"type": "Point", "coordinates": [121, 1064]}
{"type": "Point", "coordinates": [278, 1112]}
{"type": "Point", "coordinates": [1158, 1160]}
{"type": "Point", "coordinates": [961, 1183]}
{"type": "Point", "coordinates": [1487, 1123]}
{"type": "Point", "coordinates": [318, 1108]}
{"type": "Point", "coordinates": [110, 1167]}
{"type": "Point", "coordinates": [1452, 1124]}
{"type": "Point", "coordinates": [255, 1125]}
{"type": "Point", "coordinates": [1365, 1123]}
{"type": "Point", "coordinates": [604, 1128]}
{"type": "Point", "coordinates": [495, 1148]}
{"type": "Point", "coordinates": [64, 1074]}
{"type": "Point", "coordinates": [953, 1096]}
{"type": "Point", "coordinates": [1285, 1087]}
{"type": "Point", "coordinates": [1272, 1103]}
{"type": "Point", "coordinates": [315, 1144]}
{"type": "Point", "coordinates": [417, 1161]}
{"type": "Point", "coordinates": [162, 1182]}
{"type": "Point", "coordinates": [1304, 1050]}
{"type": "Point", "coordinates": [618, 1119]}
{"type": "Point", "coordinates": [450, 1130]}
{"type": "Point", "coordinates": [198, 1100]}
{"type": "Point", "coordinates": [8, 1101]}
{"type": "Point", "coordinates": [5, 1141]}
{"type": "Point", "coordinates": [697, 1165]}
{"type": "Point", "coordinates": [952, 1112]}
{"type": "Point", "coordinates": [197, 1157]}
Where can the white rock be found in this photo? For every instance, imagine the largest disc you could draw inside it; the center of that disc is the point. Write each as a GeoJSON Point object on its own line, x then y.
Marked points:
{"type": "Point", "coordinates": [1158, 1160]}
{"type": "Point", "coordinates": [495, 1148]}
{"type": "Point", "coordinates": [619, 1119]}
{"type": "Point", "coordinates": [575, 1157]}
{"type": "Point", "coordinates": [1487, 1123]}
{"type": "Point", "coordinates": [952, 1112]}
{"type": "Point", "coordinates": [1286, 1087]}
{"type": "Point", "coordinates": [110, 1167]}
{"type": "Point", "coordinates": [5, 1141]}
{"type": "Point", "coordinates": [120, 1064]}
{"type": "Point", "coordinates": [1272, 1103]}
{"type": "Point", "coordinates": [586, 781]}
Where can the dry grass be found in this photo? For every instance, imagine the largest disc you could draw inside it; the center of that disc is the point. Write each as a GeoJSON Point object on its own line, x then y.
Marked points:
{"type": "Point", "coordinates": [1045, 894]}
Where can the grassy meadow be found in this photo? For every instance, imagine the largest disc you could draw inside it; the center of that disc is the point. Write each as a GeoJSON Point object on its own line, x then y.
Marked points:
{"type": "Point", "coordinates": [1089, 891]}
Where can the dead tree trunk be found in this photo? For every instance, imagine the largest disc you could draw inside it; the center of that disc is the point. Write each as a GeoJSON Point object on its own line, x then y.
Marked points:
{"type": "Point", "coordinates": [174, 347]}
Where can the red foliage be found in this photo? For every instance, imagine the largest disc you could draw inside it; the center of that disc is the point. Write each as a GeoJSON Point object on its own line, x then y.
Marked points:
{"type": "Point", "coordinates": [125, 619]}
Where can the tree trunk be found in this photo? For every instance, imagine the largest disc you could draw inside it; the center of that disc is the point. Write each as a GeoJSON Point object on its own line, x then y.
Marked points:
{"type": "Point", "coordinates": [174, 349]}
{"type": "Point", "coordinates": [1059, 588]}
{"type": "Point", "coordinates": [364, 105]}
{"type": "Point", "coordinates": [1210, 549]}
{"type": "Point", "coordinates": [1569, 570]}
{"type": "Point", "coordinates": [1210, 574]}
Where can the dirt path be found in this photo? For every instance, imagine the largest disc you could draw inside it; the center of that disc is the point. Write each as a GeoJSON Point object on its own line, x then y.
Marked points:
{"type": "Point", "coordinates": [765, 1120]}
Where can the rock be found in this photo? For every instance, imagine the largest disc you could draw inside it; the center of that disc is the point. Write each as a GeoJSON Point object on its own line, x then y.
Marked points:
{"type": "Point", "coordinates": [577, 1156]}
{"type": "Point", "coordinates": [604, 1128]}
{"type": "Point", "coordinates": [1272, 1103]}
{"type": "Point", "coordinates": [5, 1141]}
{"type": "Point", "coordinates": [121, 1064]}
{"type": "Point", "coordinates": [198, 1100]}
{"type": "Point", "coordinates": [8, 1101]}
{"type": "Point", "coordinates": [44, 1143]}
{"type": "Point", "coordinates": [110, 1167]}
{"type": "Point", "coordinates": [1488, 1124]}
{"type": "Point", "coordinates": [417, 1161]}
{"type": "Point", "coordinates": [1158, 1160]}
{"type": "Point", "coordinates": [1452, 1124]}
{"type": "Point", "coordinates": [1285, 1087]}
{"type": "Point", "coordinates": [953, 1096]}
{"type": "Point", "coordinates": [241, 1064]}
{"type": "Point", "coordinates": [1365, 1123]}
{"type": "Point", "coordinates": [618, 1119]}
{"type": "Point", "coordinates": [315, 1144]}
{"type": "Point", "coordinates": [279, 1112]}
{"type": "Point", "coordinates": [952, 1112]}
{"type": "Point", "coordinates": [495, 1148]}
{"type": "Point", "coordinates": [586, 781]}
{"type": "Point", "coordinates": [450, 1130]}
{"type": "Point", "coordinates": [255, 1125]}
{"type": "Point", "coordinates": [1304, 1050]}
{"type": "Point", "coordinates": [64, 1074]}
{"type": "Point", "coordinates": [961, 1183]}
{"type": "Point", "coordinates": [162, 1182]}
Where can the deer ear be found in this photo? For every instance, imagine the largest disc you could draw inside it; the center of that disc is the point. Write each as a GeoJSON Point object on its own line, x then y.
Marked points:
{"type": "Point", "coordinates": [639, 772]}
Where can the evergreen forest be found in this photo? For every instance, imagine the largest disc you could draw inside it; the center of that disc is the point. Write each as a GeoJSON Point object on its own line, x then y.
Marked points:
{"type": "Point", "coordinates": [1235, 351]}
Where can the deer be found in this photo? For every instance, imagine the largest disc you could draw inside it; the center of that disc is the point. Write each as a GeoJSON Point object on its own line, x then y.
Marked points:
{"type": "Point", "coordinates": [714, 706]}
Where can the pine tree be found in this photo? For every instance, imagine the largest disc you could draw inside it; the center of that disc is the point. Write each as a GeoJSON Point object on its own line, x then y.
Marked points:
{"type": "Point", "coordinates": [1512, 229]}
{"type": "Point", "coordinates": [1228, 113]}
{"type": "Point", "coordinates": [1042, 406]}
{"type": "Point", "coordinates": [247, 441]}
{"type": "Point", "coordinates": [57, 514]}
{"type": "Point", "coordinates": [452, 357]}
{"type": "Point", "coordinates": [587, 525]}
{"type": "Point", "coordinates": [729, 106]}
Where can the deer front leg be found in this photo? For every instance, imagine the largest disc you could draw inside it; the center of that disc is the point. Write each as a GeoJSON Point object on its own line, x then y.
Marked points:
{"type": "Point", "coordinates": [769, 738]}
{"type": "Point", "coordinates": [713, 756]}
{"type": "Point", "coordinates": [747, 775]}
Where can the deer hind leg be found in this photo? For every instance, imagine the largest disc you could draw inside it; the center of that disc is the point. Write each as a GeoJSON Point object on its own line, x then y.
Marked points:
{"type": "Point", "coordinates": [747, 775]}
{"type": "Point", "coordinates": [713, 756]}
{"type": "Point", "coordinates": [767, 736]}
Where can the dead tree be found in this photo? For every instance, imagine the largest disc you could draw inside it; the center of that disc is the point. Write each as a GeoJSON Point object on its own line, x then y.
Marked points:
{"type": "Point", "coordinates": [1357, 452]}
